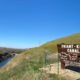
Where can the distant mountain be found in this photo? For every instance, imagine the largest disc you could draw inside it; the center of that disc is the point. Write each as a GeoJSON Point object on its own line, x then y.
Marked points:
{"type": "Point", "coordinates": [10, 50]}
{"type": "Point", "coordinates": [5, 53]}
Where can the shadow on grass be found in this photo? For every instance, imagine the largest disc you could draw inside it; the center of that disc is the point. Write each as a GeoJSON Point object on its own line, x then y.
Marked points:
{"type": "Point", "coordinates": [73, 68]}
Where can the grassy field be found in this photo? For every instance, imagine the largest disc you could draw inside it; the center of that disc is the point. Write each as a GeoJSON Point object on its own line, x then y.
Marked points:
{"type": "Point", "coordinates": [28, 69]}
{"type": "Point", "coordinates": [29, 62]}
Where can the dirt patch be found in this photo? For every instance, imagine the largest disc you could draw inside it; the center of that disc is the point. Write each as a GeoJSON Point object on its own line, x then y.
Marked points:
{"type": "Point", "coordinates": [54, 69]}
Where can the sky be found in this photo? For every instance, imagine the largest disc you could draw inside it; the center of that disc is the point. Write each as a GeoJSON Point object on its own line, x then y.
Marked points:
{"type": "Point", "coordinates": [30, 23]}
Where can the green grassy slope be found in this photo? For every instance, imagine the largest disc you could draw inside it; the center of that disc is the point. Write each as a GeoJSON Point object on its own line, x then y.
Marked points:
{"type": "Point", "coordinates": [52, 45]}
{"type": "Point", "coordinates": [72, 39]}
{"type": "Point", "coordinates": [31, 60]}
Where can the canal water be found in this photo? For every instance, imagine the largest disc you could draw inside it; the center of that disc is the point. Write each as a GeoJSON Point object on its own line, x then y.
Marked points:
{"type": "Point", "coordinates": [3, 63]}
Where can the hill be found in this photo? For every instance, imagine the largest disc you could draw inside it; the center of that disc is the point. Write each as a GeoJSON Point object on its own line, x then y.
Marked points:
{"type": "Point", "coordinates": [10, 50]}
{"type": "Point", "coordinates": [25, 66]}
{"type": "Point", "coordinates": [72, 39]}
{"type": "Point", "coordinates": [5, 53]}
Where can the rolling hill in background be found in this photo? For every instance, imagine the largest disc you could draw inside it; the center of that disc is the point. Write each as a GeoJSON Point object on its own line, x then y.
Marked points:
{"type": "Point", "coordinates": [5, 53]}
{"type": "Point", "coordinates": [25, 66]}
{"type": "Point", "coordinates": [10, 50]}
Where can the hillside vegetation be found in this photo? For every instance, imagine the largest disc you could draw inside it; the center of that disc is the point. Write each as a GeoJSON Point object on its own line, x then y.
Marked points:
{"type": "Point", "coordinates": [28, 62]}
{"type": "Point", "coordinates": [5, 53]}
{"type": "Point", "coordinates": [10, 50]}
{"type": "Point", "coordinates": [72, 39]}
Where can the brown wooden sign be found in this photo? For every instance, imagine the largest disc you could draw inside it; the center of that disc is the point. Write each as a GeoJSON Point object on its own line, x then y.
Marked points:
{"type": "Point", "coordinates": [69, 54]}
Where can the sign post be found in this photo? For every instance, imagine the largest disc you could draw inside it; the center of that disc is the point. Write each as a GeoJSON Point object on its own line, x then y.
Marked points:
{"type": "Point", "coordinates": [69, 55]}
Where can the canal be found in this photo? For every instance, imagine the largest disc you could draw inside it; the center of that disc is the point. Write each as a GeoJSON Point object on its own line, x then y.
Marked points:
{"type": "Point", "coordinates": [3, 63]}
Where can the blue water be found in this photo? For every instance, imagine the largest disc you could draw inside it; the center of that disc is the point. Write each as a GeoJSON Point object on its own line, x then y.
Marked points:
{"type": "Point", "coordinates": [5, 61]}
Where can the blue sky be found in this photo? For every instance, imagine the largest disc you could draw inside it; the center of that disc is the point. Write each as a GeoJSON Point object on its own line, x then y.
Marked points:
{"type": "Point", "coordinates": [29, 23]}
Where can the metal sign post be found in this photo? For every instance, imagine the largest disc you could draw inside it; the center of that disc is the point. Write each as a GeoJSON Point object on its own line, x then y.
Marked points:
{"type": "Point", "coordinates": [46, 57]}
